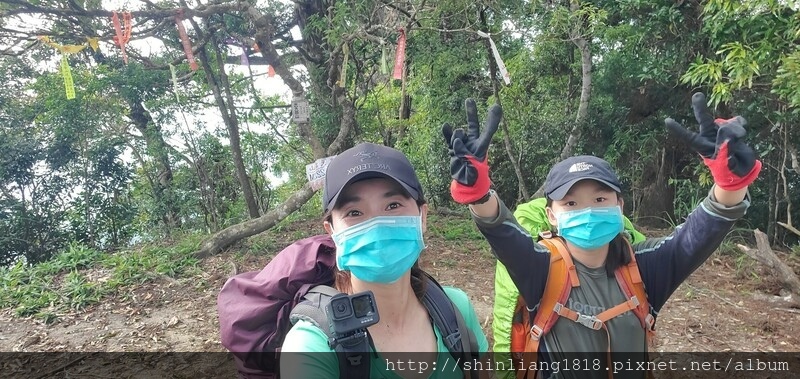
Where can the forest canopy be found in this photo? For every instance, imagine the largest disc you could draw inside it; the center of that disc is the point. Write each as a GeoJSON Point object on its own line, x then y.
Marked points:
{"type": "Point", "coordinates": [123, 122]}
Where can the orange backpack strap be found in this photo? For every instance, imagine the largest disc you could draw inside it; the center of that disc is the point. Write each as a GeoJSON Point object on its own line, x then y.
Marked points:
{"type": "Point", "coordinates": [562, 277]}
{"type": "Point", "coordinates": [630, 280]}
{"type": "Point", "coordinates": [556, 292]}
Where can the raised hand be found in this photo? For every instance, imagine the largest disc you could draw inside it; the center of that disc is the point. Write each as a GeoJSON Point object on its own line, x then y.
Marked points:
{"type": "Point", "coordinates": [732, 162]}
{"type": "Point", "coordinates": [468, 154]}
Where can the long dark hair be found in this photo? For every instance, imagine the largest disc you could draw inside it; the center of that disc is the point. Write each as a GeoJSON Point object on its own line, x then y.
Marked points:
{"type": "Point", "coordinates": [618, 254]}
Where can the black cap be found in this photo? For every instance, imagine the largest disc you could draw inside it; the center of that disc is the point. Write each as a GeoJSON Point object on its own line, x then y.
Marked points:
{"type": "Point", "coordinates": [566, 173]}
{"type": "Point", "coordinates": [365, 161]}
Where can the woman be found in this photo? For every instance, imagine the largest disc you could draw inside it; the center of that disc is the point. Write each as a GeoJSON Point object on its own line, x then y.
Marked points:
{"type": "Point", "coordinates": [376, 214]}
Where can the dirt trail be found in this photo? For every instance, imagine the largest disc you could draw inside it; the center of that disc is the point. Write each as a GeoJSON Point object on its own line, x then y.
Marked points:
{"type": "Point", "coordinates": [716, 310]}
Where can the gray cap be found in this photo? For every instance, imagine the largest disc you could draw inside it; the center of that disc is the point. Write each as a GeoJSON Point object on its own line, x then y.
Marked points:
{"type": "Point", "coordinates": [365, 161]}
{"type": "Point", "coordinates": [566, 173]}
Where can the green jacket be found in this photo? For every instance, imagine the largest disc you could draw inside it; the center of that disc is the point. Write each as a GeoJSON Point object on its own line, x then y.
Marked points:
{"type": "Point", "coordinates": [533, 217]}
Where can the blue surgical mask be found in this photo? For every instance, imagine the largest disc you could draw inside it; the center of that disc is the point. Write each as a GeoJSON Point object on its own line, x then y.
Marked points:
{"type": "Point", "coordinates": [590, 228]}
{"type": "Point", "coordinates": [381, 249]}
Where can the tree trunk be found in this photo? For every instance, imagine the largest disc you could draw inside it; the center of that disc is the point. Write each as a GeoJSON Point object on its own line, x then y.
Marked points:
{"type": "Point", "coordinates": [87, 193]}
{"type": "Point", "coordinates": [263, 37]}
{"type": "Point", "coordinates": [582, 42]}
{"type": "Point", "coordinates": [157, 148]}
{"type": "Point", "coordinates": [228, 113]}
{"type": "Point", "coordinates": [230, 235]}
{"type": "Point", "coordinates": [766, 256]}
{"type": "Point", "coordinates": [586, 86]}
{"type": "Point", "coordinates": [233, 234]}
{"type": "Point", "coordinates": [656, 196]}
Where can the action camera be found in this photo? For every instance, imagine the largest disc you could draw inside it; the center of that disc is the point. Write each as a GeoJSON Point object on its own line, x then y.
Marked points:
{"type": "Point", "coordinates": [350, 315]}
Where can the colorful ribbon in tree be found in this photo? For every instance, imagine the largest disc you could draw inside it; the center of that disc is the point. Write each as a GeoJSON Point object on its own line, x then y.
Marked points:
{"type": "Point", "coordinates": [500, 65]}
{"type": "Point", "coordinates": [343, 71]}
{"type": "Point", "coordinates": [270, 71]}
{"type": "Point", "coordinates": [123, 32]}
{"type": "Point", "coordinates": [93, 42]}
{"type": "Point", "coordinates": [187, 46]}
{"type": "Point", "coordinates": [400, 55]}
{"type": "Point", "coordinates": [65, 50]}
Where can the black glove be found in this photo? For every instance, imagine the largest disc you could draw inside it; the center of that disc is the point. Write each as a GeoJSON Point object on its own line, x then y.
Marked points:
{"type": "Point", "coordinates": [732, 162]}
{"type": "Point", "coordinates": [468, 154]}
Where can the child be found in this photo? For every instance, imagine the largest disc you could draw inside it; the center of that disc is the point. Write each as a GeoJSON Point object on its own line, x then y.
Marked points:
{"type": "Point", "coordinates": [584, 205]}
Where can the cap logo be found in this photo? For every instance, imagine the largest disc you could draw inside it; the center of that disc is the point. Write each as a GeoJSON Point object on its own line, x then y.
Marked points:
{"type": "Point", "coordinates": [366, 155]}
{"type": "Point", "coordinates": [368, 167]}
{"type": "Point", "coordinates": [580, 166]}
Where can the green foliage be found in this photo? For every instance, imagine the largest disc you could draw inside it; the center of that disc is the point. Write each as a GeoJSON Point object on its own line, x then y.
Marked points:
{"type": "Point", "coordinates": [786, 79]}
{"type": "Point", "coordinates": [752, 42]}
{"type": "Point", "coordinates": [126, 162]}
{"type": "Point", "coordinates": [744, 265]}
{"type": "Point", "coordinates": [78, 291]}
{"type": "Point", "coordinates": [453, 229]}
{"type": "Point", "coordinates": [262, 245]}
{"type": "Point", "coordinates": [688, 195]}
{"type": "Point", "coordinates": [75, 257]}
{"type": "Point", "coordinates": [68, 179]}
{"type": "Point", "coordinates": [80, 276]}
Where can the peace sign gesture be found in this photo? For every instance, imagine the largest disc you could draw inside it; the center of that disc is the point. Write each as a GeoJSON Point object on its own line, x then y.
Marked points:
{"type": "Point", "coordinates": [732, 162]}
{"type": "Point", "coordinates": [468, 154]}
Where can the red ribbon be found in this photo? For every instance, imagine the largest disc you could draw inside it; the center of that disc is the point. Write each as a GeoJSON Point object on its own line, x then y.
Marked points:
{"type": "Point", "coordinates": [187, 46]}
{"type": "Point", "coordinates": [400, 56]}
{"type": "Point", "coordinates": [122, 38]}
{"type": "Point", "coordinates": [270, 71]}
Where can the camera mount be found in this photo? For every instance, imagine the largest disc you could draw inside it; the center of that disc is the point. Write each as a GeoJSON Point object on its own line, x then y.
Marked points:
{"type": "Point", "coordinates": [348, 318]}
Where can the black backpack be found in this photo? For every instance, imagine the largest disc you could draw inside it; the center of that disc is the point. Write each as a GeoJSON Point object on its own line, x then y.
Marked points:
{"type": "Point", "coordinates": [353, 357]}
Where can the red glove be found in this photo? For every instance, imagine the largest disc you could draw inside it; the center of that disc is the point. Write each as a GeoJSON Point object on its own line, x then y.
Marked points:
{"type": "Point", "coordinates": [732, 162]}
{"type": "Point", "coordinates": [465, 194]}
{"type": "Point", "coordinates": [468, 154]}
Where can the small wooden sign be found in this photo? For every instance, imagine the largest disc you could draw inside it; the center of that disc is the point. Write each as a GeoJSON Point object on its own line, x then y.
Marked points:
{"type": "Point", "coordinates": [301, 111]}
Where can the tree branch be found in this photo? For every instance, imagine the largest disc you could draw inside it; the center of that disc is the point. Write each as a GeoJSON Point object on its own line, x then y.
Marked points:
{"type": "Point", "coordinates": [766, 256]}
{"type": "Point", "coordinates": [201, 11]}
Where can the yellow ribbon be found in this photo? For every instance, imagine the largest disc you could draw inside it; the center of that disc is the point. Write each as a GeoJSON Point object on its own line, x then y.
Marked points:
{"type": "Point", "coordinates": [65, 50]}
{"type": "Point", "coordinates": [93, 43]}
{"type": "Point", "coordinates": [65, 72]}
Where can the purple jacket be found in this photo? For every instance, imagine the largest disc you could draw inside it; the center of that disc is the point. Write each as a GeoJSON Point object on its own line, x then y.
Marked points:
{"type": "Point", "coordinates": [254, 306]}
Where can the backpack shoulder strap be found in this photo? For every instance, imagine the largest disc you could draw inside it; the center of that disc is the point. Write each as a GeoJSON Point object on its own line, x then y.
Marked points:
{"type": "Point", "coordinates": [450, 322]}
{"type": "Point", "coordinates": [630, 280]}
{"type": "Point", "coordinates": [560, 279]}
{"type": "Point", "coordinates": [354, 357]}
{"type": "Point", "coordinates": [471, 349]}
{"type": "Point", "coordinates": [312, 308]}
{"type": "Point", "coordinates": [526, 335]}
{"type": "Point", "coordinates": [558, 251]}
